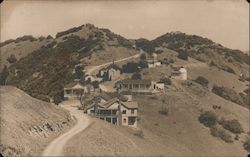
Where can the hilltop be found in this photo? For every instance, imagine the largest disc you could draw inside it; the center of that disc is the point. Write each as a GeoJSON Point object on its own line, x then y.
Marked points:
{"type": "Point", "coordinates": [28, 124]}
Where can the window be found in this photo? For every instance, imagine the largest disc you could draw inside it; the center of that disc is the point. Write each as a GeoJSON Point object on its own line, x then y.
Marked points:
{"type": "Point", "coordinates": [124, 120]}
{"type": "Point", "coordinates": [124, 112]}
{"type": "Point", "coordinates": [68, 91]}
{"type": "Point", "coordinates": [132, 111]}
{"type": "Point", "coordinates": [131, 120]}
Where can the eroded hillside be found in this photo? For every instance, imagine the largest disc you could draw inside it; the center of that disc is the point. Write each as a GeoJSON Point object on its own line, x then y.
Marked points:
{"type": "Point", "coordinates": [28, 124]}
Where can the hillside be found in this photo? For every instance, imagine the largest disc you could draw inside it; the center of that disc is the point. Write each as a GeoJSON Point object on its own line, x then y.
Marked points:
{"type": "Point", "coordinates": [21, 47]}
{"type": "Point", "coordinates": [205, 50]}
{"type": "Point", "coordinates": [28, 124]}
{"type": "Point", "coordinates": [177, 133]}
{"type": "Point", "coordinates": [45, 71]}
{"type": "Point", "coordinates": [44, 68]}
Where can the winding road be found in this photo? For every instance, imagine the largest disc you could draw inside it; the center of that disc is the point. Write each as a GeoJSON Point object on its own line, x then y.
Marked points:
{"type": "Point", "coordinates": [55, 148]}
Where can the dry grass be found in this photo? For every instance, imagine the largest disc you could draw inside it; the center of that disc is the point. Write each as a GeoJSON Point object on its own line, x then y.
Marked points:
{"type": "Point", "coordinates": [28, 124]}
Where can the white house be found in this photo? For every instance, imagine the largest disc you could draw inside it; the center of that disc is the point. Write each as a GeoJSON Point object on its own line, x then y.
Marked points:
{"type": "Point", "coordinates": [153, 61]}
{"type": "Point", "coordinates": [112, 72]}
{"type": "Point", "coordinates": [139, 86]}
{"type": "Point", "coordinates": [115, 111]}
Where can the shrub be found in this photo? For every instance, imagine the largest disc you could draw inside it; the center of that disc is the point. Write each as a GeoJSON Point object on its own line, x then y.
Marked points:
{"type": "Point", "coordinates": [217, 132]}
{"type": "Point", "coordinates": [247, 91]}
{"type": "Point", "coordinates": [12, 59]}
{"type": "Point", "coordinates": [246, 145]}
{"type": "Point", "coordinates": [136, 76]}
{"type": "Point", "coordinates": [139, 133]}
{"type": "Point", "coordinates": [182, 55]}
{"type": "Point", "coordinates": [143, 64]}
{"type": "Point", "coordinates": [208, 118]}
{"type": "Point", "coordinates": [166, 81]}
{"type": "Point", "coordinates": [202, 81]}
{"type": "Point", "coordinates": [95, 84]}
{"type": "Point", "coordinates": [143, 56]}
{"type": "Point", "coordinates": [232, 125]}
{"type": "Point", "coordinates": [228, 94]}
{"type": "Point", "coordinates": [228, 69]}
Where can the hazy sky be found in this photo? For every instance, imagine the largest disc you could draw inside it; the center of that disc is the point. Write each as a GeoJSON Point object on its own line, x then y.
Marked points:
{"type": "Point", "coordinates": [224, 21]}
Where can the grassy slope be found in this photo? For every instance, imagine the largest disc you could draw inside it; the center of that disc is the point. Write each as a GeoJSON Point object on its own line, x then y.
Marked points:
{"type": "Point", "coordinates": [20, 115]}
{"type": "Point", "coordinates": [20, 49]}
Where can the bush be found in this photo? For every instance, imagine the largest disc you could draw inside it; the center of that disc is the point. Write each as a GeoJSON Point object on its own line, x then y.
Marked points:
{"type": "Point", "coordinates": [166, 81]}
{"type": "Point", "coordinates": [12, 59]}
{"type": "Point", "coordinates": [208, 118]}
{"type": "Point", "coordinates": [143, 64]}
{"type": "Point", "coordinates": [182, 55]}
{"type": "Point", "coordinates": [95, 84]}
{"type": "Point", "coordinates": [246, 145]}
{"type": "Point", "coordinates": [136, 76]}
{"type": "Point", "coordinates": [228, 94]}
{"type": "Point", "coordinates": [247, 91]}
{"type": "Point", "coordinates": [202, 81]}
{"type": "Point", "coordinates": [143, 56]}
{"type": "Point", "coordinates": [217, 132]}
{"type": "Point", "coordinates": [139, 133]}
{"type": "Point", "coordinates": [232, 125]}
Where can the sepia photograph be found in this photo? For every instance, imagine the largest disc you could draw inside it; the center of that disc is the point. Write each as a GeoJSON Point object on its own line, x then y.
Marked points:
{"type": "Point", "coordinates": [124, 78]}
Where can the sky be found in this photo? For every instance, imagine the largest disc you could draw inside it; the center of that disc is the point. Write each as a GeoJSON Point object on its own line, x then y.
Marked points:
{"type": "Point", "coordinates": [224, 21]}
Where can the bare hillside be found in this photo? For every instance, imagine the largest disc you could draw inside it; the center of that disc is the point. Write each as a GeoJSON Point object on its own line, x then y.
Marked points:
{"type": "Point", "coordinates": [28, 124]}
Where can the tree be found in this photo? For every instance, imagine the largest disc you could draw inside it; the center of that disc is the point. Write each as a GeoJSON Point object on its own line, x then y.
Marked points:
{"type": "Point", "coordinates": [4, 75]}
{"type": "Point", "coordinates": [136, 76]}
{"type": "Point", "coordinates": [130, 67]}
{"type": "Point", "coordinates": [12, 59]}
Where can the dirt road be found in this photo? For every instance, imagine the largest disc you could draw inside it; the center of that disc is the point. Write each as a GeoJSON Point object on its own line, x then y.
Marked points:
{"type": "Point", "coordinates": [55, 148]}
{"type": "Point", "coordinates": [94, 68]}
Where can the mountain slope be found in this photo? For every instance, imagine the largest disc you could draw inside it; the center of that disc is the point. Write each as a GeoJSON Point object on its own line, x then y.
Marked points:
{"type": "Point", "coordinates": [28, 124]}
{"type": "Point", "coordinates": [205, 50]}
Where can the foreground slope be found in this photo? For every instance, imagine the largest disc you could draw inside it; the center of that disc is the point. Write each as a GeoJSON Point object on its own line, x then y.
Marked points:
{"type": "Point", "coordinates": [28, 124]}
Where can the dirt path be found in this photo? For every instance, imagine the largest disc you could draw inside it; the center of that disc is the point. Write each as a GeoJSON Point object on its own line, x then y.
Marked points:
{"type": "Point", "coordinates": [55, 148]}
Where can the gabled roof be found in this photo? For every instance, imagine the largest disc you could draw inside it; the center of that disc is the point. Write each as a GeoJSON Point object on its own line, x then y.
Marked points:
{"type": "Point", "coordinates": [130, 104]}
{"type": "Point", "coordinates": [128, 81]}
{"type": "Point", "coordinates": [73, 84]}
{"type": "Point", "coordinates": [127, 104]}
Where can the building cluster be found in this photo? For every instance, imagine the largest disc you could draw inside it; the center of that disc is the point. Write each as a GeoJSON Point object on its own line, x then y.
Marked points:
{"type": "Point", "coordinates": [114, 111]}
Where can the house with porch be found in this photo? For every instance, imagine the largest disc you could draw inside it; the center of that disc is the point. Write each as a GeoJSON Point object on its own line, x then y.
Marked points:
{"type": "Point", "coordinates": [74, 90]}
{"type": "Point", "coordinates": [139, 86]}
{"type": "Point", "coordinates": [115, 111]}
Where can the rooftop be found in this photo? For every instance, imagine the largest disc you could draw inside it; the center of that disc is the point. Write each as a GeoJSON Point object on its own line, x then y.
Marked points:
{"type": "Point", "coordinates": [132, 81]}
{"type": "Point", "coordinates": [72, 84]}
